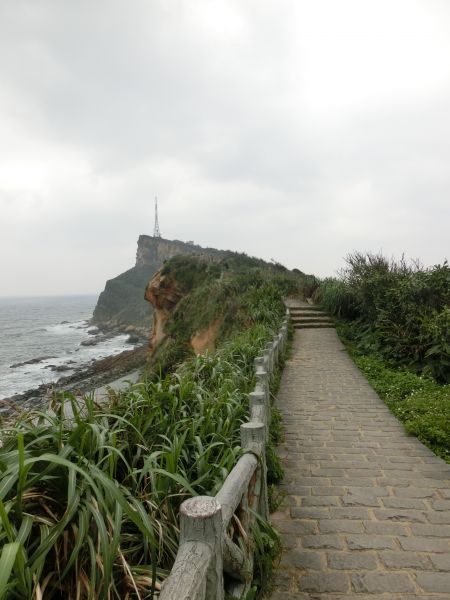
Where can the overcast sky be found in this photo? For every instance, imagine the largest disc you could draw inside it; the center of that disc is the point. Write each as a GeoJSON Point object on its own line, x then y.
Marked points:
{"type": "Point", "coordinates": [298, 130]}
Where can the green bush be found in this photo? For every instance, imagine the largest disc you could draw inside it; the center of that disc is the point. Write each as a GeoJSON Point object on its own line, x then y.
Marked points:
{"type": "Point", "coordinates": [337, 298]}
{"type": "Point", "coordinates": [420, 403]}
{"type": "Point", "coordinates": [399, 310]}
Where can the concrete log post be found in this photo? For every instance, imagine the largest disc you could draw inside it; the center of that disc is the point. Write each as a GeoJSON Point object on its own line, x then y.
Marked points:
{"type": "Point", "coordinates": [284, 334]}
{"type": "Point", "coordinates": [259, 363]}
{"type": "Point", "coordinates": [259, 399]}
{"type": "Point", "coordinates": [253, 439]}
{"type": "Point", "coordinates": [280, 346]}
{"type": "Point", "coordinates": [276, 349]}
{"type": "Point", "coordinates": [261, 376]}
{"type": "Point", "coordinates": [268, 360]}
{"type": "Point", "coordinates": [201, 521]}
{"type": "Point", "coordinates": [275, 352]}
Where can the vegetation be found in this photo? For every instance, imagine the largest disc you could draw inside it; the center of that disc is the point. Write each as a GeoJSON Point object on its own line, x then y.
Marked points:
{"type": "Point", "coordinates": [395, 319]}
{"type": "Point", "coordinates": [236, 292]}
{"type": "Point", "coordinates": [418, 401]}
{"type": "Point", "coordinates": [400, 311]}
{"type": "Point", "coordinates": [89, 494]}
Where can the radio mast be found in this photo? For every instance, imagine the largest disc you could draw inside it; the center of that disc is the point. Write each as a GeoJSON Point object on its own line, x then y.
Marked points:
{"type": "Point", "coordinates": [156, 231]}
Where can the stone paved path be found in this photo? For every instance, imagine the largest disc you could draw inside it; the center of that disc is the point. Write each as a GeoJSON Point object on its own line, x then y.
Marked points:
{"type": "Point", "coordinates": [367, 511]}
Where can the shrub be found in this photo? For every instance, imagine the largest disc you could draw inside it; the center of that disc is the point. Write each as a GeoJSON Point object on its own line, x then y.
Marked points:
{"type": "Point", "coordinates": [397, 309]}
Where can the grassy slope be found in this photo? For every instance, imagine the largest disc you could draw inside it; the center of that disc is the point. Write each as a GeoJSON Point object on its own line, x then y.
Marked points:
{"type": "Point", "coordinates": [92, 502]}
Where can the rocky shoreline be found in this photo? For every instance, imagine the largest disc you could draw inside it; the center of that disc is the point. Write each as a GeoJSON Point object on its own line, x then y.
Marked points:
{"type": "Point", "coordinates": [85, 379]}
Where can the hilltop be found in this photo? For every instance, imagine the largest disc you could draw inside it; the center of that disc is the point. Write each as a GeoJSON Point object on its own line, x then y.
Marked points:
{"type": "Point", "coordinates": [122, 305]}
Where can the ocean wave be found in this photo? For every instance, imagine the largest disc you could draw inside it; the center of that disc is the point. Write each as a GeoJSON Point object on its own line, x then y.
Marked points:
{"type": "Point", "coordinates": [68, 328]}
{"type": "Point", "coordinates": [48, 369]}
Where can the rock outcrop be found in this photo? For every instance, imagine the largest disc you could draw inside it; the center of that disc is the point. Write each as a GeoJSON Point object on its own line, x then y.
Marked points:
{"type": "Point", "coordinates": [163, 293]}
{"type": "Point", "coordinates": [122, 305]}
{"type": "Point", "coordinates": [205, 339]}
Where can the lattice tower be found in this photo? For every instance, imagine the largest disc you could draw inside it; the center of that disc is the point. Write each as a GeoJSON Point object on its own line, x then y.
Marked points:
{"type": "Point", "coordinates": [156, 231]}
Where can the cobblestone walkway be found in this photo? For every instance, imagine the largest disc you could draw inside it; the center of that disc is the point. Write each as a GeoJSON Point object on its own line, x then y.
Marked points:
{"type": "Point", "coordinates": [367, 511]}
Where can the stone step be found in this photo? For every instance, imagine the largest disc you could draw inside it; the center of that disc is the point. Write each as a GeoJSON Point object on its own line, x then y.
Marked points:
{"type": "Point", "coordinates": [313, 325]}
{"type": "Point", "coordinates": [303, 307]}
{"type": "Point", "coordinates": [310, 316]}
{"type": "Point", "coordinates": [308, 313]}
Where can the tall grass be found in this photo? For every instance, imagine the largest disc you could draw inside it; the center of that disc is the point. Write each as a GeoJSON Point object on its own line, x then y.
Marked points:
{"type": "Point", "coordinates": [89, 503]}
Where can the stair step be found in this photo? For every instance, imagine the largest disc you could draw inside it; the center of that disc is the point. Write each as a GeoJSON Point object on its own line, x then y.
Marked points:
{"type": "Point", "coordinates": [313, 325]}
{"type": "Point", "coordinates": [308, 319]}
{"type": "Point", "coordinates": [310, 315]}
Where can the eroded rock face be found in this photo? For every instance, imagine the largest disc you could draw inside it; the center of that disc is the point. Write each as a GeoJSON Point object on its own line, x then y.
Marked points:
{"type": "Point", "coordinates": [205, 339]}
{"type": "Point", "coordinates": [163, 294]}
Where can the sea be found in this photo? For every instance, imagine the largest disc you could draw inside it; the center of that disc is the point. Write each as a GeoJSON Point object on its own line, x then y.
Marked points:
{"type": "Point", "coordinates": [41, 340]}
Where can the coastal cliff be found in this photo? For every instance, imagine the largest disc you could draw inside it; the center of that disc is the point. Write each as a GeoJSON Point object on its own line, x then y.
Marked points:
{"type": "Point", "coordinates": [122, 305]}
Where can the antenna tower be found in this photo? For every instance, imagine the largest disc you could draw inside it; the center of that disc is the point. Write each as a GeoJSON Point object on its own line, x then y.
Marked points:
{"type": "Point", "coordinates": [156, 231]}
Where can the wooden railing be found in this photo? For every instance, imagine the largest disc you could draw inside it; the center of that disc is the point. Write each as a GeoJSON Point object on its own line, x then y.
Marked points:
{"type": "Point", "coordinates": [215, 534]}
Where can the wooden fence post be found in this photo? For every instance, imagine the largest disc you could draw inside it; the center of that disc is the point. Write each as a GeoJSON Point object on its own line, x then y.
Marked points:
{"type": "Point", "coordinates": [258, 400]}
{"type": "Point", "coordinates": [201, 521]}
{"type": "Point", "coordinates": [253, 438]}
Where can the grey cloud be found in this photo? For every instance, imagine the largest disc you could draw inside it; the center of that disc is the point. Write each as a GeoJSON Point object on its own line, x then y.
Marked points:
{"type": "Point", "coordinates": [212, 112]}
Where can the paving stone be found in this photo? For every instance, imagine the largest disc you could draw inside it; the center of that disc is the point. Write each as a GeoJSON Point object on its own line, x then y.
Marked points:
{"type": "Point", "coordinates": [304, 559]}
{"type": "Point", "coordinates": [385, 528]}
{"type": "Point", "coordinates": [368, 482]}
{"type": "Point", "coordinates": [297, 527]}
{"type": "Point", "coordinates": [322, 541]}
{"type": "Point", "coordinates": [349, 513]}
{"type": "Point", "coordinates": [373, 491]}
{"type": "Point", "coordinates": [394, 514]}
{"type": "Point", "coordinates": [320, 501]}
{"type": "Point", "coordinates": [434, 582]}
{"type": "Point", "coordinates": [441, 562]}
{"type": "Point", "coordinates": [382, 582]}
{"type": "Point", "coordinates": [324, 582]}
{"type": "Point", "coordinates": [352, 560]}
{"type": "Point", "coordinates": [361, 500]}
{"type": "Point", "coordinates": [289, 541]}
{"type": "Point", "coordinates": [438, 517]}
{"type": "Point", "coordinates": [416, 544]}
{"type": "Point", "coordinates": [403, 560]}
{"type": "Point", "coordinates": [327, 491]}
{"type": "Point", "coordinates": [404, 503]}
{"type": "Point", "coordinates": [283, 580]}
{"type": "Point", "coordinates": [309, 482]}
{"type": "Point", "coordinates": [413, 492]}
{"type": "Point", "coordinates": [431, 530]}
{"type": "Point", "coordinates": [369, 542]}
{"type": "Point", "coordinates": [340, 526]}
{"type": "Point", "coordinates": [308, 512]}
